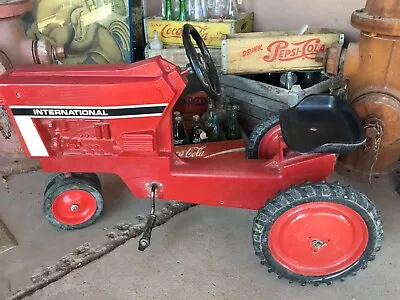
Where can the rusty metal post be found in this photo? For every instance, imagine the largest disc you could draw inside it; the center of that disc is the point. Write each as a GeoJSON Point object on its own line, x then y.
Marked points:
{"type": "Point", "coordinates": [373, 67]}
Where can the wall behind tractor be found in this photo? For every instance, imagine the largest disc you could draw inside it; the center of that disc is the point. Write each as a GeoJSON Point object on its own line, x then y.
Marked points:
{"type": "Point", "coordinates": [291, 14]}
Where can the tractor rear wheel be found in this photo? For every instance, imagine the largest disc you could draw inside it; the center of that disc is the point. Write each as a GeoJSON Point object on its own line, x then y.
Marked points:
{"type": "Point", "coordinates": [263, 142]}
{"type": "Point", "coordinates": [317, 233]}
{"type": "Point", "coordinates": [73, 202]}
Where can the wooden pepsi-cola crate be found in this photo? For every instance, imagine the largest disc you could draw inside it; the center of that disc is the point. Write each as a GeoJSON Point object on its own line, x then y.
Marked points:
{"type": "Point", "coordinates": [262, 52]}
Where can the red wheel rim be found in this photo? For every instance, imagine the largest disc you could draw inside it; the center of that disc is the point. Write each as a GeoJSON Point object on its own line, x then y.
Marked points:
{"type": "Point", "coordinates": [269, 144]}
{"type": "Point", "coordinates": [74, 207]}
{"type": "Point", "coordinates": [319, 238]}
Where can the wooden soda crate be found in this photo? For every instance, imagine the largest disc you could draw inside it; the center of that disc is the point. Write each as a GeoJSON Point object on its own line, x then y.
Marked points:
{"type": "Point", "coordinates": [262, 52]}
{"type": "Point", "coordinates": [211, 30]}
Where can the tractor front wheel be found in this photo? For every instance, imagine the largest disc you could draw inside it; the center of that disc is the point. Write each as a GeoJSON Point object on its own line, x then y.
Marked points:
{"type": "Point", "coordinates": [317, 233]}
{"type": "Point", "coordinates": [73, 202]}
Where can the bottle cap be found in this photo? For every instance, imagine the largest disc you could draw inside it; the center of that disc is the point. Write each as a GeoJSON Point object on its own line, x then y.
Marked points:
{"type": "Point", "coordinates": [178, 119]}
{"type": "Point", "coordinates": [196, 117]}
{"type": "Point", "coordinates": [177, 113]}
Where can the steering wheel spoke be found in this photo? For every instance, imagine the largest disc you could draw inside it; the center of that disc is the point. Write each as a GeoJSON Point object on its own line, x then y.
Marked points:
{"type": "Point", "coordinates": [202, 63]}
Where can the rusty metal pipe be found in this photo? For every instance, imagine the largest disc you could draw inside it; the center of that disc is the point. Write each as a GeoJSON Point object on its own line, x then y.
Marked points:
{"type": "Point", "coordinates": [14, 43]}
{"type": "Point", "coordinates": [373, 67]}
{"type": "Point", "coordinates": [15, 50]}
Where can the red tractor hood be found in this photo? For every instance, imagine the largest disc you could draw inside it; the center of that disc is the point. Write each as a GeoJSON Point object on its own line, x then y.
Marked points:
{"type": "Point", "coordinates": [153, 81]}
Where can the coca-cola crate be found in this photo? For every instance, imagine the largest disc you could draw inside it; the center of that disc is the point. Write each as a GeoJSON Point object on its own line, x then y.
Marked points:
{"type": "Point", "coordinates": [261, 52]}
{"type": "Point", "coordinates": [196, 103]}
{"type": "Point", "coordinates": [223, 149]}
{"type": "Point", "coordinates": [211, 30]}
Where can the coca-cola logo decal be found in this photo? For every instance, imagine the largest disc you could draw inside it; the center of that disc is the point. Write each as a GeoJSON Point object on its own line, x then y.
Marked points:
{"type": "Point", "coordinates": [169, 31]}
{"type": "Point", "coordinates": [200, 151]}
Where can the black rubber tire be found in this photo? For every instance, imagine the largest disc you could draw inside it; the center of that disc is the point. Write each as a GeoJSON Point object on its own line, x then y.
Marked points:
{"type": "Point", "coordinates": [72, 183]}
{"type": "Point", "coordinates": [327, 192]}
{"type": "Point", "coordinates": [56, 177]}
{"type": "Point", "coordinates": [258, 133]}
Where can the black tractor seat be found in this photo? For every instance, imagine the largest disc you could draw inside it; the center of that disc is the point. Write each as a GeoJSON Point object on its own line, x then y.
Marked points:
{"type": "Point", "coordinates": [322, 124]}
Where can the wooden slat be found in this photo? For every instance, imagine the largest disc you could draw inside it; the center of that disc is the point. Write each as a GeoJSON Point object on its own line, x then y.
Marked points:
{"type": "Point", "coordinates": [255, 87]}
{"type": "Point", "coordinates": [256, 100]}
{"type": "Point", "coordinates": [249, 109]}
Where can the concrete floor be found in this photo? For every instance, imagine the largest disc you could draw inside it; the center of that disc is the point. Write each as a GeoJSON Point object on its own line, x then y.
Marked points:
{"type": "Point", "coordinates": [205, 253]}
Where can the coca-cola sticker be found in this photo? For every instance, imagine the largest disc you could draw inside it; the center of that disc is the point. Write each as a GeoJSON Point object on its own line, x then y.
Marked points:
{"type": "Point", "coordinates": [192, 152]}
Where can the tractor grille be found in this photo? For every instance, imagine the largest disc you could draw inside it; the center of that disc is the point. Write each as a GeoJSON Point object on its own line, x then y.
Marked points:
{"type": "Point", "coordinates": [138, 142]}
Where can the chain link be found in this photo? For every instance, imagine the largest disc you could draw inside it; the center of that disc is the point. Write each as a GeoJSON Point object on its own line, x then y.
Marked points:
{"type": "Point", "coordinates": [337, 86]}
{"type": "Point", "coordinates": [374, 123]}
{"type": "Point", "coordinates": [5, 125]}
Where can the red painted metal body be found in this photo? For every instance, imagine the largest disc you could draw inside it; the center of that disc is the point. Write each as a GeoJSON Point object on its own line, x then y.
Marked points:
{"type": "Point", "coordinates": [139, 149]}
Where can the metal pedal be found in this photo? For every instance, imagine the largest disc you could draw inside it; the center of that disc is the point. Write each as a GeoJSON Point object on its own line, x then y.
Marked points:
{"type": "Point", "coordinates": [144, 241]}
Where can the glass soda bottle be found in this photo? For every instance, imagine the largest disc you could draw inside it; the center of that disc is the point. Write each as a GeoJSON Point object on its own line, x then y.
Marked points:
{"type": "Point", "coordinates": [163, 5]}
{"type": "Point", "coordinates": [183, 14]}
{"type": "Point", "coordinates": [197, 134]}
{"type": "Point", "coordinates": [197, 10]}
{"type": "Point", "coordinates": [208, 116]}
{"type": "Point", "coordinates": [214, 131]}
{"type": "Point", "coordinates": [180, 137]}
{"type": "Point", "coordinates": [176, 114]}
{"type": "Point", "coordinates": [234, 131]}
{"type": "Point", "coordinates": [218, 9]}
{"type": "Point", "coordinates": [176, 9]}
{"type": "Point", "coordinates": [168, 10]}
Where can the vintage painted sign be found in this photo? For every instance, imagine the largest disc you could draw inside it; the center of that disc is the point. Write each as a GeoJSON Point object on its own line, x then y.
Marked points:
{"type": "Point", "coordinates": [274, 51]}
{"type": "Point", "coordinates": [211, 31]}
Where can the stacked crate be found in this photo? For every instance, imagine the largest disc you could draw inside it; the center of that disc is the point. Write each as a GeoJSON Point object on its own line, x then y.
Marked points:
{"type": "Point", "coordinates": [170, 33]}
{"type": "Point", "coordinates": [247, 56]}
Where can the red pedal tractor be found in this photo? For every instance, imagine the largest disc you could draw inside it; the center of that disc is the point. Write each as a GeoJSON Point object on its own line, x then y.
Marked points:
{"type": "Point", "coordinates": [82, 120]}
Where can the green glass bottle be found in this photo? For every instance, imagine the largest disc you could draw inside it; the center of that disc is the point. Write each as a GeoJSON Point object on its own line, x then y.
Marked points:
{"type": "Point", "coordinates": [180, 137]}
{"type": "Point", "coordinates": [183, 11]}
{"type": "Point", "coordinates": [168, 10]}
{"type": "Point", "coordinates": [197, 135]}
{"type": "Point", "coordinates": [214, 132]}
{"type": "Point", "coordinates": [233, 131]}
{"type": "Point", "coordinates": [206, 118]}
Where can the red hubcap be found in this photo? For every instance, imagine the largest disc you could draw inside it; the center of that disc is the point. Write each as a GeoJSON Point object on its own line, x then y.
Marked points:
{"type": "Point", "coordinates": [269, 144]}
{"type": "Point", "coordinates": [318, 238]}
{"type": "Point", "coordinates": [74, 207]}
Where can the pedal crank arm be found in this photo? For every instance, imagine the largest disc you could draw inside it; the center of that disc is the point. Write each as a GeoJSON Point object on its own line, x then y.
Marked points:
{"type": "Point", "coordinates": [144, 241]}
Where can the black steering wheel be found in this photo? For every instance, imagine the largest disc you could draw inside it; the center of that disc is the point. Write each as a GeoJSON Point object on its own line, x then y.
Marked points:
{"type": "Point", "coordinates": [202, 63]}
